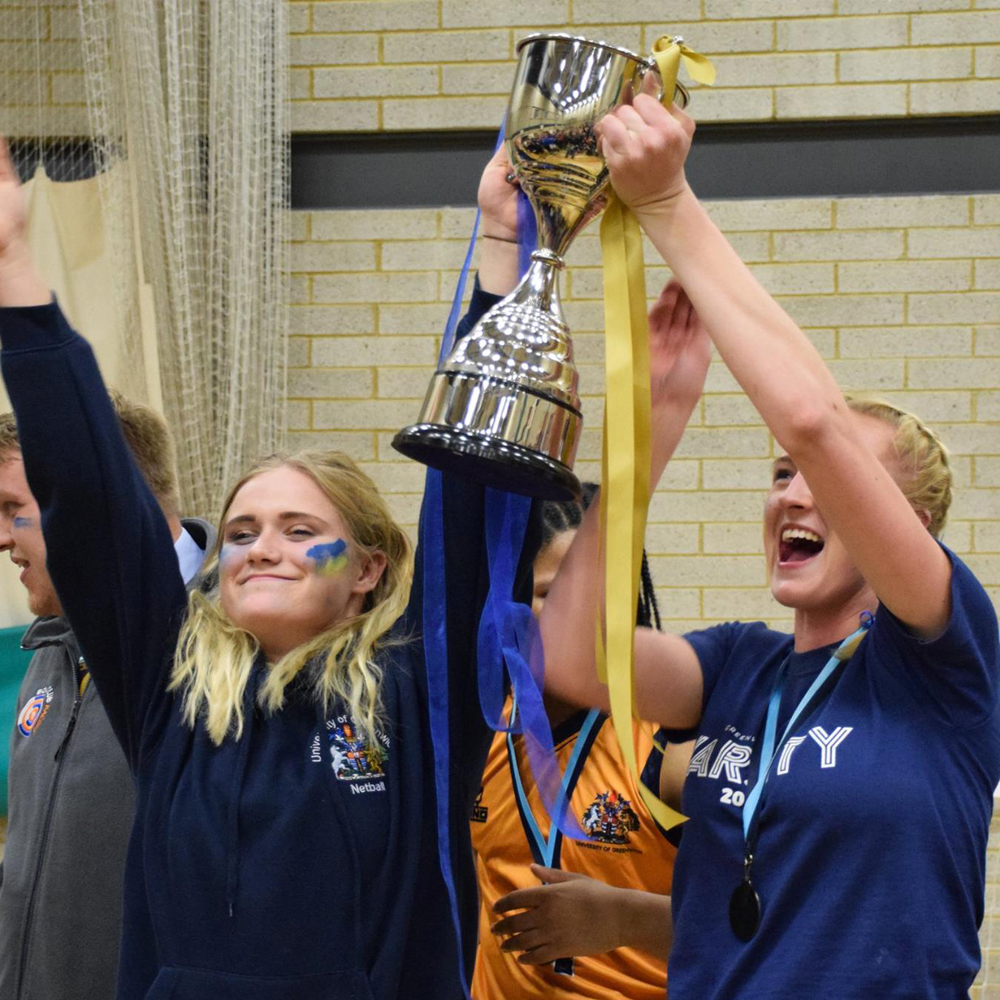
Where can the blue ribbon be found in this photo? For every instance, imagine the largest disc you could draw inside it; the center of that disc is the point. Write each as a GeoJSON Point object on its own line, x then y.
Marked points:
{"type": "Point", "coordinates": [434, 626]}
{"type": "Point", "coordinates": [508, 632]}
{"type": "Point", "coordinates": [527, 232]}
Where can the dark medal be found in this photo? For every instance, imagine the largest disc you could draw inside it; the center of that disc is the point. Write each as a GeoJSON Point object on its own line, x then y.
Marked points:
{"type": "Point", "coordinates": [744, 906]}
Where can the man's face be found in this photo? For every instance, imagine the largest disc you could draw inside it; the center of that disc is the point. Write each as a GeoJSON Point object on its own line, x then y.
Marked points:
{"type": "Point", "coordinates": [21, 535]}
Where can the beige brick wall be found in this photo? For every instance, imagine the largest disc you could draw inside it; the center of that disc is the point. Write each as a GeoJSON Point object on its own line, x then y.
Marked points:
{"type": "Point", "coordinates": [41, 69]}
{"type": "Point", "coordinates": [367, 65]}
{"type": "Point", "coordinates": [900, 295]}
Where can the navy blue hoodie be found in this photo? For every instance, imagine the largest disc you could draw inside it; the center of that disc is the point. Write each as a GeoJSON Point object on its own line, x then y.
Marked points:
{"type": "Point", "coordinates": [291, 863]}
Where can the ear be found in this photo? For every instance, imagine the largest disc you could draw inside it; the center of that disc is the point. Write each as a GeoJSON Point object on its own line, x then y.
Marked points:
{"type": "Point", "coordinates": [925, 517]}
{"type": "Point", "coordinates": [371, 572]}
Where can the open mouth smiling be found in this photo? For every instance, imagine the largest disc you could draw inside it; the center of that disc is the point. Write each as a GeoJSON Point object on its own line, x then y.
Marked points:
{"type": "Point", "coordinates": [798, 545]}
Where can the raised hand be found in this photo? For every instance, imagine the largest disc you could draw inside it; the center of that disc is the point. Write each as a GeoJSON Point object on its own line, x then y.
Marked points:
{"type": "Point", "coordinates": [20, 284]}
{"type": "Point", "coordinates": [498, 198]}
{"type": "Point", "coordinates": [13, 212]}
{"type": "Point", "coordinates": [646, 145]}
{"type": "Point", "coordinates": [498, 264]}
{"type": "Point", "coordinates": [679, 348]}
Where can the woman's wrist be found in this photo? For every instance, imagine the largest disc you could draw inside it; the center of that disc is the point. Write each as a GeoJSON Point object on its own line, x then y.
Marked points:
{"type": "Point", "coordinates": [498, 231]}
{"type": "Point", "coordinates": [661, 212]}
{"type": "Point", "coordinates": [498, 265]}
{"type": "Point", "coordinates": [20, 283]}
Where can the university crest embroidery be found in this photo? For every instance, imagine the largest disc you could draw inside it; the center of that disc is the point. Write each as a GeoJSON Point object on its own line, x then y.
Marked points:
{"type": "Point", "coordinates": [610, 818]}
{"type": "Point", "coordinates": [35, 709]}
{"type": "Point", "coordinates": [351, 756]}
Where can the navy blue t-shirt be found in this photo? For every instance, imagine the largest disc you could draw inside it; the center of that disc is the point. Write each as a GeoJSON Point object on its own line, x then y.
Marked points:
{"type": "Point", "coordinates": [873, 825]}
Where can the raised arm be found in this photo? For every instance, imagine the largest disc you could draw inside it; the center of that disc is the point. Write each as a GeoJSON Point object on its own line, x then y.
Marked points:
{"type": "Point", "coordinates": [110, 554]}
{"type": "Point", "coordinates": [668, 676]}
{"type": "Point", "coordinates": [464, 523]}
{"type": "Point", "coordinates": [778, 368]}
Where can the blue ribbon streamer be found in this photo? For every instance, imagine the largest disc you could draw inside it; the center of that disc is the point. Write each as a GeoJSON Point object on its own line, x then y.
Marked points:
{"type": "Point", "coordinates": [527, 232]}
{"type": "Point", "coordinates": [434, 619]}
{"type": "Point", "coordinates": [508, 632]}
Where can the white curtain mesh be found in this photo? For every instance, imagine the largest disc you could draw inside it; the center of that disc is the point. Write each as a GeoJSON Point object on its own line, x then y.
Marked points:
{"type": "Point", "coordinates": [181, 108]}
{"type": "Point", "coordinates": [192, 96]}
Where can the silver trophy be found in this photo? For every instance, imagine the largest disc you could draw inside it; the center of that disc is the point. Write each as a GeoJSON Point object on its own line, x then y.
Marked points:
{"type": "Point", "coordinates": [503, 408]}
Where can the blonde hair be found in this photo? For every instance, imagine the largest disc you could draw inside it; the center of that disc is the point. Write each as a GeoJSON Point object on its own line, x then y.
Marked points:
{"type": "Point", "coordinates": [10, 441]}
{"type": "Point", "coordinates": [146, 435]}
{"type": "Point", "coordinates": [215, 658]}
{"type": "Point", "coordinates": [152, 447]}
{"type": "Point", "coordinates": [928, 486]}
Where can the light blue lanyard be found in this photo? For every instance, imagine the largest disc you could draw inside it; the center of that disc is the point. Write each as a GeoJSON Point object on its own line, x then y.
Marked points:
{"type": "Point", "coordinates": [547, 846]}
{"type": "Point", "coordinates": [768, 750]}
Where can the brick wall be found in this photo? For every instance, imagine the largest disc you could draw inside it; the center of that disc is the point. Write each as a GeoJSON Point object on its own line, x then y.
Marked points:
{"type": "Point", "coordinates": [42, 34]}
{"type": "Point", "coordinates": [440, 64]}
{"type": "Point", "coordinates": [900, 295]}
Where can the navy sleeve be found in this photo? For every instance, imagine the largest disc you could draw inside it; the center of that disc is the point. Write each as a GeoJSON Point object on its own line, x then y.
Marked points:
{"type": "Point", "coordinates": [110, 554]}
{"type": "Point", "coordinates": [713, 647]}
{"type": "Point", "coordinates": [467, 584]}
{"type": "Point", "coordinates": [957, 673]}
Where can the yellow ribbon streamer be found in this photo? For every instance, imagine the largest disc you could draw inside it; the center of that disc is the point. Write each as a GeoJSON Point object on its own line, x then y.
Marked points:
{"type": "Point", "coordinates": [625, 467]}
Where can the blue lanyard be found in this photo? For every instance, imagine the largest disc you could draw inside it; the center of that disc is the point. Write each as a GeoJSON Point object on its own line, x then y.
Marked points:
{"type": "Point", "coordinates": [543, 848]}
{"type": "Point", "coordinates": [768, 750]}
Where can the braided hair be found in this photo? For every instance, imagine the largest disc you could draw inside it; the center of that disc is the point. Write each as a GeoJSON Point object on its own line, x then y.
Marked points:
{"type": "Point", "coordinates": [567, 515]}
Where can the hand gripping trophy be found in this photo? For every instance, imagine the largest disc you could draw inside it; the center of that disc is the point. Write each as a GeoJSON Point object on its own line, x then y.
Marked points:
{"type": "Point", "coordinates": [503, 408]}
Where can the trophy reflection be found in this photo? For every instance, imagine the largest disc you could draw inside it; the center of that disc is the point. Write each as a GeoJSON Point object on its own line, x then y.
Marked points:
{"type": "Point", "coordinates": [503, 408]}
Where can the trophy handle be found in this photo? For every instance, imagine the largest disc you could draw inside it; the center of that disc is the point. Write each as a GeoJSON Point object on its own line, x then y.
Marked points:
{"type": "Point", "coordinates": [681, 95]}
{"type": "Point", "coordinates": [647, 66]}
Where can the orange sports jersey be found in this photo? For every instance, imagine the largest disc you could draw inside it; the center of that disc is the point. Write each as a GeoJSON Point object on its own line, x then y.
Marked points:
{"type": "Point", "coordinates": [626, 850]}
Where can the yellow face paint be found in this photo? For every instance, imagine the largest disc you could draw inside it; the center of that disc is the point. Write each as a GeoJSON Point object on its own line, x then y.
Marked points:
{"type": "Point", "coordinates": [330, 557]}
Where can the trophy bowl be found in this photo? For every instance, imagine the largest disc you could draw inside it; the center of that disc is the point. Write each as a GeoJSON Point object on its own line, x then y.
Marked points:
{"type": "Point", "coordinates": [503, 408]}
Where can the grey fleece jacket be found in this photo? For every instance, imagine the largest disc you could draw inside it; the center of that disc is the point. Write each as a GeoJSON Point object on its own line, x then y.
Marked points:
{"type": "Point", "coordinates": [71, 808]}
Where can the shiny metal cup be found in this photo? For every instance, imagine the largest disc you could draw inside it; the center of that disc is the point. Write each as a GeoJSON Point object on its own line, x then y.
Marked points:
{"type": "Point", "coordinates": [503, 408]}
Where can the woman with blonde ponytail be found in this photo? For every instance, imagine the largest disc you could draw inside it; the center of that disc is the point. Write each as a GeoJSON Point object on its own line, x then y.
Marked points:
{"type": "Point", "coordinates": [841, 786]}
{"type": "Point", "coordinates": [277, 723]}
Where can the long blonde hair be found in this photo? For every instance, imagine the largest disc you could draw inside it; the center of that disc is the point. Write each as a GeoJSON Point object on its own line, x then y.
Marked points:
{"type": "Point", "coordinates": [928, 486]}
{"type": "Point", "coordinates": [215, 658]}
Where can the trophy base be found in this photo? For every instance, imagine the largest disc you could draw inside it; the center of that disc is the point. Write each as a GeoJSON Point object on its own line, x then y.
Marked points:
{"type": "Point", "coordinates": [488, 461]}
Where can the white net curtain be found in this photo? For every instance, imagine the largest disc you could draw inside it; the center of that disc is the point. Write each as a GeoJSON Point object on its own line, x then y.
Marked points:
{"type": "Point", "coordinates": [180, 113]}
{"type": "Point", "coordinates": [192, 97]}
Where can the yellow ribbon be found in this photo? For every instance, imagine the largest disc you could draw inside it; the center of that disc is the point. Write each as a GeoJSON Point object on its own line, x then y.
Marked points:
{"type": "Point", "coordinates": [669, 53]}
{"type": "Point", "coordinates": [625, 467]}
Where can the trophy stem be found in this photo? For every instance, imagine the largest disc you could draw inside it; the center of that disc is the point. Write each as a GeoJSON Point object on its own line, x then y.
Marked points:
{"type": "Point", "coordinates": [503, 408]}
{"type": "Point", "coordinates": [539, 288]}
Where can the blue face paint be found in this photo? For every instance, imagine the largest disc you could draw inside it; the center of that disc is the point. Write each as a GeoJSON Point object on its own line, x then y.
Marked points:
{"type": "Point", "coordinates": [330, 557]}
{"type": "Point", "coordinates": [228, 554]}
{"type": "Point", "coordinates": [23, 522]}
